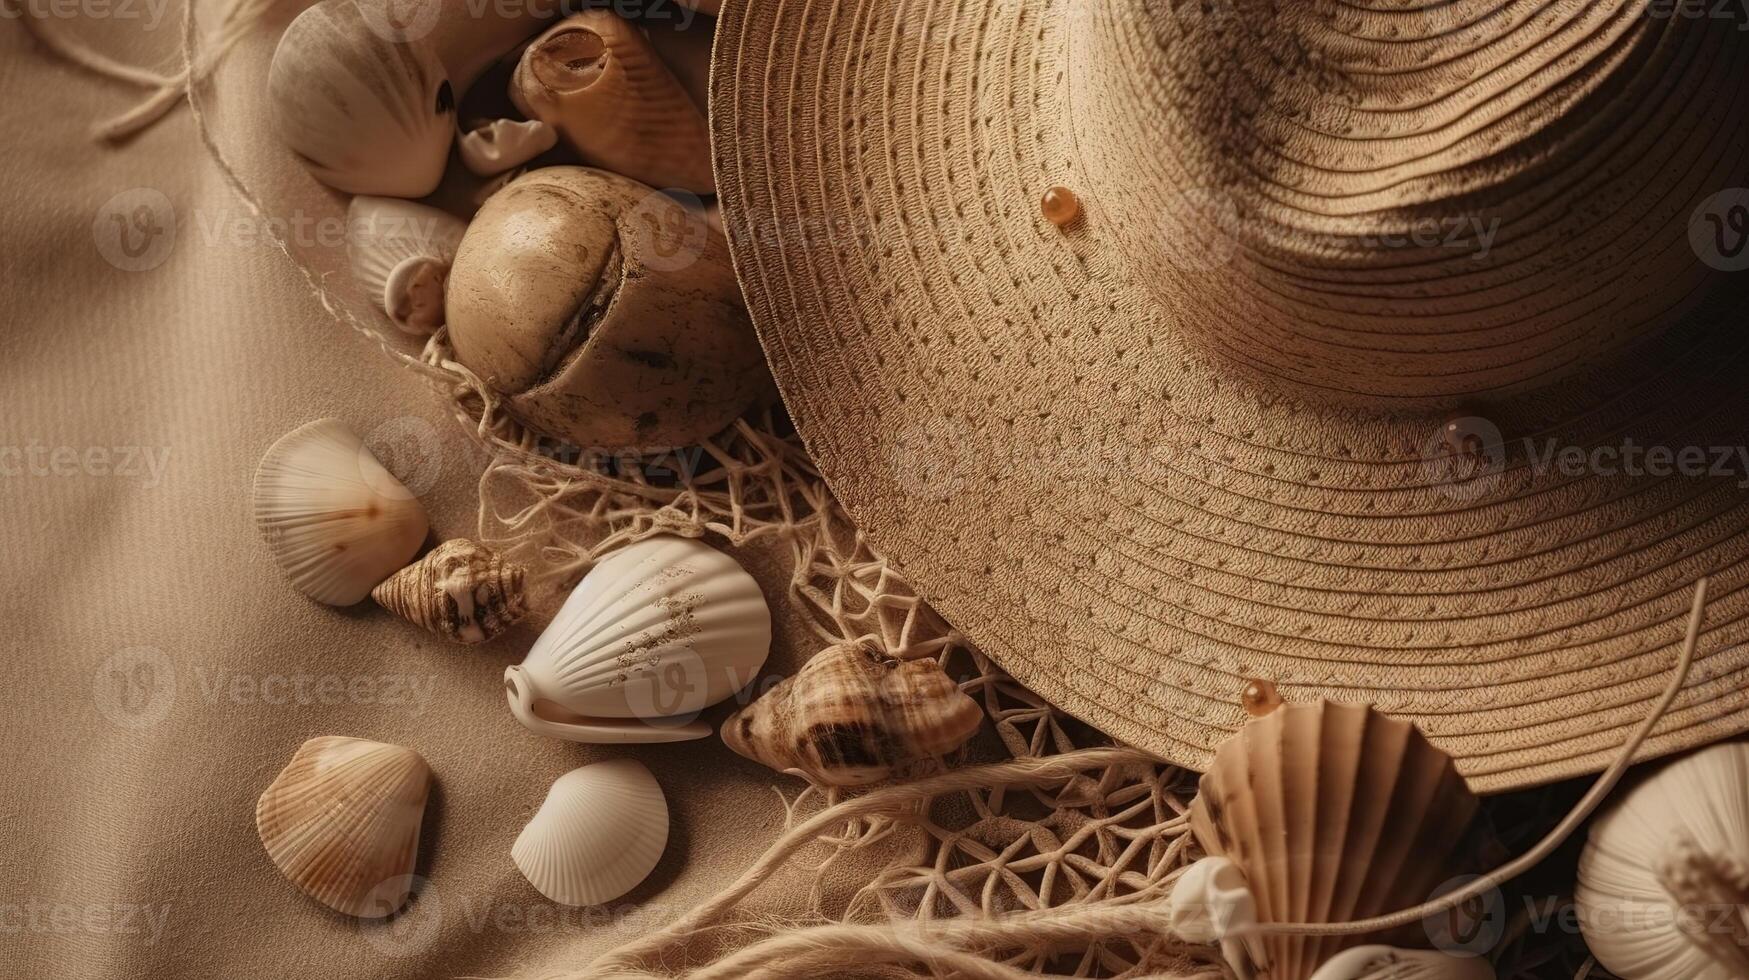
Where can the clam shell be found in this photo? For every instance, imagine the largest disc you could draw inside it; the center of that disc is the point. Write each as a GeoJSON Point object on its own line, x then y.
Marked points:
{"type": "Point", "coordinates": [494, 147]}
{"type": "Point", "coordinates": [1387, 963]}
{"type": "Point", "coordinates": [1333, 812]}
{"type": "Point", "coordinates": [598, 81]}
{"type": "Point", "coordinates": [334, 519]}
{"type": "Point", "coordinates": [852, 715]}
{"type": "Point", "coordinates": [341, 821]}
{"type": "Point", "coordinates": [365, 114]}
{"type": "Point", "coordinates": [600, 832]}
{"type": "Point", "coordinates": [656, 632]}
{"type": "Point", "coordinates": [401, 253]}
{"type": "Point", "coordinates": [460, 591]}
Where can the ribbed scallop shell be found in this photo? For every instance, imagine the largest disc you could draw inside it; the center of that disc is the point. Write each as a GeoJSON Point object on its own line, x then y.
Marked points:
{"type": "Point", "coordinates": [852, 715]}
{"type": "Point", "coordinates": [461, 591]}
{"type": "Point", "coordinates": [1334, 812]}
{"type": "Point", "coordinates": [365, 114]}
{"type": "Point", "coordinates": [1675, 844]}
{"type": "Point", "coordinates": [656, 632]}
{"type": "Point", "coordinates": [341, 821]}
{"type": "Point", "coordinates": [1386, 963]}
{"type": "Point", "coordinates": [335, 520]}
{"type": "Point", "coordinates": [401, 253]}
{"type": "Point", "coordinates": [600, 832]}
{"type": "Point", "coordinates": [596, 79]}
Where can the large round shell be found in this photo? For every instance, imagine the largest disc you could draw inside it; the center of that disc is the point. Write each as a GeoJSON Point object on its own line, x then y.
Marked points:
{"type": "Point", "coordinates": [401, 253]}
{"type": "Point", "coordinates": [1333, 812]}
{"type": "Point", "coordinates": [852, 715]}
{"type": "Point", "coordinates": [1663, 891]}
{"type": "Point", "coordinates": [600, 832]}
{"type": "Point", "coordinates": [366, 113]}
{"type": "Point", "coordinates": [342, 822]}
{"type": "Point", "coordinates": [606, 313]}
{"type": "Point", "coordinates": [656, 632]}
{"type": "Point", "coordinates": [334, 519]}
{"type": "Point", "coordinates": [461, 591]}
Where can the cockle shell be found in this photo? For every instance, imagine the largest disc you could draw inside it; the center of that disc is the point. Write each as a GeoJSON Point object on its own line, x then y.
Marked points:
{"type": "Point", "coordinates": [342, 822]}
{"type": "Point", "coordinates": [606, 314]}
{"type": "Point", "coordinates": [401, 253]}
{"type": "Point", "coordinates": [1333, 813]}
{"type": "Point", "coordinates": [335, 520]}
{"type": "Point", "coordinates": [1663, 890]}
{"type": "Point", "coordinates": [367, 114]}
{"type": "Point", "coordinates": [491, 148]}
{"type": "Point", "coordinates": [601, 831]}
{"type": "Point", "coordinates": [598, 81]}
{"type": "Point", "coordinates": [1387, 963]}
{"type": "Point", "coordinates": [852, 715]}
{"type": "Point", "coordinates": [461, 591]}
{"type": "Point", "coordinates": [656, 632]}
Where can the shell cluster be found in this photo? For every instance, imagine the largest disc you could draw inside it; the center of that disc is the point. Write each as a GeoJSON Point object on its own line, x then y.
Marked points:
{"type": "Point", "coordinates": [460, 591]}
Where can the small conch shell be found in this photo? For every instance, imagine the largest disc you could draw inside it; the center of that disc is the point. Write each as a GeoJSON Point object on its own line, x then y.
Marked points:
{"type": "Point", "coordinates": [1386, 963]}
{"type": "Point", "coordinates": [460, 591]}
{"type": "Point", "coordinates": [597, 79]}
{"type": "Point", "coordinates": [401, 253]}
{"type": "Point", "coordinates": [491, 148]}
{"type": "Point", "coordinates": [342, 822]}
{"type": "Point", "coordinates": [335, 520]}
{"type": "Point", "coordinates": [852, 715]}
{"type": "Point", "coordinates": [601, 831]}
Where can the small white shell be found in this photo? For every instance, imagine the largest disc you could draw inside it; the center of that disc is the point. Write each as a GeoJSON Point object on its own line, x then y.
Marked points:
{"type": "Point", "coordinates": [1665, 866]}
{"type": "Point", "coordinates": [401, 253]}
{"type": "Point", "coordinates": [601, 831]}
{"type": "Point", "coordinates": [342, 822]}
{"type": "Point", "coordinates": [365, 114]}
{"type": "Point", "coordinates": [335, 520]}
{"type": "Point", "coordinates": [491, 148]}
{"type": "Point", "coordinates": [1386, 963]}
{"type": "Point", "coordinates": [657, 632]}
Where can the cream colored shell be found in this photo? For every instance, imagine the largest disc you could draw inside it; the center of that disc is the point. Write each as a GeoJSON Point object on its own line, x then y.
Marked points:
{"type": "Point", "coordinates": [1386, 963]}
{"type": "Point", "coordinates": [342, 820]}
{"type": "Point", "coordinates": [401, 253]}
{"type": "Point", "coordinates": [607, 314]}
{"type": "Point", "coordinates": [461, 591]}
{"type": "Point", "coordinates": [1663, 889]}
{"type": "Point", "coordinates": [601, 830]}
{"type": "Point", "coordinates": [334, 519]}
{"type": "Point", "coordinates": [499, 145]}
{"type": "Point", "coordinates": [656, 632]}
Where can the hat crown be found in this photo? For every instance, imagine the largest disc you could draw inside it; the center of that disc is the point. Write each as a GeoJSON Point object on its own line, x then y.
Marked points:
{"type": "Point", "coordinates": [1421, 203]}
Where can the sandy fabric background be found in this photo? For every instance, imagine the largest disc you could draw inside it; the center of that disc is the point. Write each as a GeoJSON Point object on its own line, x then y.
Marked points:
{"type": "Point", "coordinates": [159, 670]}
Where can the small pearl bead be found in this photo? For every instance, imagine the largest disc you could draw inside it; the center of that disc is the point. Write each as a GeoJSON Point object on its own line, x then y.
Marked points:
{"type": "Point", "coordinates": [1260, 698]}
{"type": "Point", "coordinates": [1061, 206]}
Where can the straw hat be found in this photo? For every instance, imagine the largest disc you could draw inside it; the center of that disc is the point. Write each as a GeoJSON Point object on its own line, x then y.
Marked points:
{"type": "Point", "coordinates": [1394, 355]}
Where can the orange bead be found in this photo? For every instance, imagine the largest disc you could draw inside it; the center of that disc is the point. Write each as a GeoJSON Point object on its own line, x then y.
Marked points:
{"type": "Point", "coordinates": [1259, 698]}
{"type": "Point", "coordinates": [1061, 206]}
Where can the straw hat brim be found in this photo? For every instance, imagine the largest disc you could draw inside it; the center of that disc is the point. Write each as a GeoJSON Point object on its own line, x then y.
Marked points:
{"type": "Point", "coordinates": [1108, 511]}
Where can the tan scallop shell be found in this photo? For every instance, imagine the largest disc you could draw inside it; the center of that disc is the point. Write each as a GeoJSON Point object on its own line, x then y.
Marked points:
{"type": "Point", "coordinates": [342, 822]}
{"type": "Point", "coordinates": [606, 313]}
{"type": "Point", "coordinates": [461, 591]}
{"type": "Point", "coordinates": [1334, 812]}
{"type": "Point", "coordinates": [597, 79]}
{"type": "Point", "coordinates": [852, 715]}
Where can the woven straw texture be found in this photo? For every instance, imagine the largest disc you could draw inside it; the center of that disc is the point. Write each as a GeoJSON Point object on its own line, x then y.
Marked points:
{"type": "Point", "coordinates": [1205, 432]}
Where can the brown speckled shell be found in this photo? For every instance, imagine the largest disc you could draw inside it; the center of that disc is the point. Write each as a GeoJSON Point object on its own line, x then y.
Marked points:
{"type": "Point", "coordinates": [852, 715]}
{"type": "Point", "coordinates": [461, 591]}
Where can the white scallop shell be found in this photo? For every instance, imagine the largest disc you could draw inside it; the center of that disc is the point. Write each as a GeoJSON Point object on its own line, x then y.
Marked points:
{"type": "Point", "coordinates": [656, 632]}
{"type": "Point", "coordinates": [1386, 963]}
{"type": "Point", "coordinates": [600, 832]}
{"type": "Point", "coordinates": [365, 113]}
{"type": "Point", "coordinates": [491, 148]}
{"type": "Point", "coordinates": [401, 253]}
{"type": "Point", "coordinates": [341, 821]}
{"type": "Point", "coordinates": [335, 520]}
{"type": "Point", "coordinates": [1663, 871]}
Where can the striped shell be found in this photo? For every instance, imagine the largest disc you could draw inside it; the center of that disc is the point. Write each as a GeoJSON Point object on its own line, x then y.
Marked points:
{"type": "Point", "coordinates": [401, 253]}
{"type": "Point", "coordinates": [342, 822]}
{"type": "Point", "coordinates": [461, 591]}
{"type": "Point", "coordinates": [601, 831]}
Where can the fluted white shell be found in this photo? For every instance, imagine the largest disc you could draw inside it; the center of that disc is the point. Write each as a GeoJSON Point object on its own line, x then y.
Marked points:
{"type": "Point", "coordinates": [365, 112]}
{"type": "Point", "coordinates": [1387, 963]}
{"type": "Point", "coordinates": [1690, 814]}
{"type": "Point", "coordinates": [493, 147]}
{"type": "Point", "coordinates": [335, 520]}
{"type": "Point", "coordinates": [601, 831]}
{"type": "Point", "coordinates": [656, 632]}
{"type": "Point", "coordinates": [342, 820]}
{"type": "Point", "coordinates": [400, 254]}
